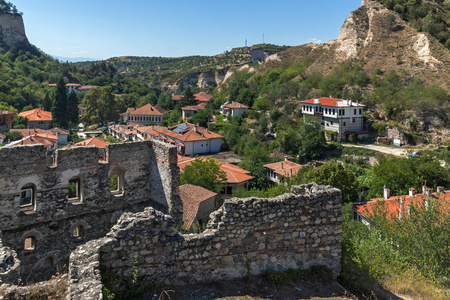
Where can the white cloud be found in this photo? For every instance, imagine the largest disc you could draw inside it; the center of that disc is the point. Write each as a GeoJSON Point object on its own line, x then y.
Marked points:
{"type": "Point", "coordinates": [315, 41]}
{"type": "Point", "coordinates": [80, 52]}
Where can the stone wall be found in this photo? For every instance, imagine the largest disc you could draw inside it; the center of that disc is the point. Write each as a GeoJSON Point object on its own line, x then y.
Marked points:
{"type": "Point", "coordinates": [149, 175]}
{"type": "Point", "coordinates": [296, 230]}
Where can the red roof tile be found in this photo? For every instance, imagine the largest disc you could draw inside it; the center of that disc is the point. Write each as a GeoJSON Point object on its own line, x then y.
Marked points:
{"type": "Point", "coordinates": [333, 102]}
{"type": "Point", "coordinates": [285, 168]}
{"type": "Point", "coordinates": [42, 132]}
{"type": "Point", "coordinates": [392, 204]}
{"type": "Point", "coordinates": [197, 107]}
{"type": "Point", "coordinates": [37, 139]}
{"type": "Point", "coordinates": [192, 196]}
{"type": "Point", "coordinates": [147, 110]}
{"type": "Point", "coordinates": [235, 105]}
{"type": "Point", "coordinates": [37, 115]}
{"type": "Point", "coordinates": [234, 173]}
{"type": "Point", "coordinates": [93, 142]}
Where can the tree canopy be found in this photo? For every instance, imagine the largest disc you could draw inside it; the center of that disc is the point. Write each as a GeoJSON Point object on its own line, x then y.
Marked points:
{"type": "Point", "coordinates": [205, 173]}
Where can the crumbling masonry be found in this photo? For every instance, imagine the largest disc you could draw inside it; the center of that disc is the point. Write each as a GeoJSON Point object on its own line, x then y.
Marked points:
{"type": "Point", "coordinates": [40, 225]}
{"type": "Point", "coordinates": [55, 208]}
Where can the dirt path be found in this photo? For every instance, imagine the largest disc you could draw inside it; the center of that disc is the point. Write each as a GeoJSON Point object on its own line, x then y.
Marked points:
{"type": "Point", "coordinates": [383, 149]}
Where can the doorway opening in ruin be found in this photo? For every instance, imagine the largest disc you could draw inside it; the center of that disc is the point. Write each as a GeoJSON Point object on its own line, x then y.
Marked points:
{"type": "Point", "coordinates": [78, 233]}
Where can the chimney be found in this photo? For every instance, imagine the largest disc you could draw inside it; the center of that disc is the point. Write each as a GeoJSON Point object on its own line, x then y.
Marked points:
{"type": "Point", "coordinates": [282, 166]}
{"type": "Point", "coordinates": [412, 192]}
{"type": "Point", "coordinates": [291, 172]}
{"type": "Point", "coordinates": [400, 212]}
{"type": "Point", "coordinates": [195, 128]}
{"type": "Point", "coordinates": [387, 193]}
{"type": "Point", "coordinates": [424, 190]}
{"type": "Point", "coordinates": [440, 189]}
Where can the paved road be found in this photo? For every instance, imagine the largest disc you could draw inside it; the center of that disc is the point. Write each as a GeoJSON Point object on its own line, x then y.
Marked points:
{"type": "Point", "coordinates": [383, 149]}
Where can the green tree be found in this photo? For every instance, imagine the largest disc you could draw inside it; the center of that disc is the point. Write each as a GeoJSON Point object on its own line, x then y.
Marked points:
{"type": "Point", "coordinates": [59, 108]}
{"type": "Point", "coordinates": [205, 173]}
{"type": "Point", "coordinates": [72, 109]}
{"type": "Point", "coordinates": [313, 146]}
{"type": "Point", "coordinates": [20, 122]}
{"type": "Point", "coordinates": [201, 118]}
{"type": "Point", "coordinates": [256, 156]}
{"type": "Point", "coordinates": [101, 106]}
{"type": "Point", "coordinates": [188, 93]}
{"type": "Point", "coordinates": [13, 136]}
{"type": "Point", "coordinates": [334, 174]}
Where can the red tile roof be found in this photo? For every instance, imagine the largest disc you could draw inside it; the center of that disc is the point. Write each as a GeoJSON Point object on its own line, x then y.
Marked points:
{"type": "Point", "coordinates": [147, 110]}
{"type": "Point", "coordinates": [201, 97]}
{"type": "Point", "coordinates": [235, 105]}
{"type": "Point", "coordinates": [192, 196]}
{"type": "Point", "coordinates": [42, 132]}
{"type": "Point", "coordinates": [86, 87]}
{"type": "Point", "coordinates": [2, 136]}
{"type": "Point", "coordinates": [49, 140]}
{"type": "Point", "coordinates": [93, 142]}
{"type": "Point", "coordinates": [392, 204]}
{"type": "Point", "coordinates": [333, 102]}
{"type": "Point", "coordinates": [234, 173]}
{"type": "Point", "coordinates": [37, 115]}
{"type": "Point", "coordinates": [5, 112]}
{"type": "Point", "coordinates": [73, 84]}
{"type": "Point", "coordinates": [197, 107]}
{"type": "Point", "coordinates": [285, 168]}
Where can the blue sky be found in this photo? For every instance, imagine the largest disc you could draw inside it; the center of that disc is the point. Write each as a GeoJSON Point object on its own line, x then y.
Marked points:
{"type": "Point", "coordinates": [106, 28]}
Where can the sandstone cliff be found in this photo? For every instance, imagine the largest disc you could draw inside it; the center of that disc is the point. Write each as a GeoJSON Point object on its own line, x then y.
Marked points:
{"type": "Point", "coordinates": [12, 31]}
{"type": "Point", "coordinates": [368, 39]}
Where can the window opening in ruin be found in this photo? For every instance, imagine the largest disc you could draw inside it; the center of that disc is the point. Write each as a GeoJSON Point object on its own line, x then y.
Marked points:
{"type": "Point", "coordinates": [116, 184]}
{"type": "Point", "coordinates": [48, 262]}
{"type": "Point", "coordinates": [75, 189]}
{"type": "Point", "coordinates": [78, 232]}
{"type": "Point", "coordinates": [27, 196]}
{"type": "Point", "coordinates": [30, 243]}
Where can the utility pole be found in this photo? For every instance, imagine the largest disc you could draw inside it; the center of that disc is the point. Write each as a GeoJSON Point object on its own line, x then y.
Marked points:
{"type": "Point", "coordinates": [263, 38]}
{"type": "Point", "coordinates": [245, 42]}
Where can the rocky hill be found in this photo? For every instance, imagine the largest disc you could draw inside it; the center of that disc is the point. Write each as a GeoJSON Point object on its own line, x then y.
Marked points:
{"type": "Point", "coordinates": [378, 38]}
{"type": "Point", "coordinates": [201, 71]}
{"type": "Point", "coordinates": [12, 31]}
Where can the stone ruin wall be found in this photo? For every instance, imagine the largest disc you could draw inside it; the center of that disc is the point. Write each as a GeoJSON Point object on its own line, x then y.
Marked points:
{"type": "Point", "coordinates": [296, 230]}
{"type": "Point", "coordinates": [150, 178]}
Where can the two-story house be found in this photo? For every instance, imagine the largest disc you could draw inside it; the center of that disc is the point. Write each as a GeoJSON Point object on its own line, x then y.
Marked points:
{"type": "Point", "coordinates": [144, 115]}
{"type": "Point", "coordinates": [234, 109]}
{"type": "Point", "coordinates": [38, 118]}
{"type": "Point", "coordinates": [189, 111]}
{"type": "Point", "coordinates": [6, 120]}
{"type": "Point", "coordinates": [340, 118]}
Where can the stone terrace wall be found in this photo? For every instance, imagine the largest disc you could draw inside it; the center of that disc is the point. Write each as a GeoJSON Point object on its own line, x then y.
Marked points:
{"type": "Point", "coordinates": [295, 230]}
{"type": "Point", "coordinates": [150, 178]}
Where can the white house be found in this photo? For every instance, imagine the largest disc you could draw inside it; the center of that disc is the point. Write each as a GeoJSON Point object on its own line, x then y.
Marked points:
{"type": "Point", "coordinates": [144, 115]}
{"type": "Point", "coordinates": [282, 170]}
{"type": "Point", "coordinates": [344, 117]}
{"type": "Point", "coordinates": [234, 109]}
{"type": "Point", "coordinates": [190, 139]}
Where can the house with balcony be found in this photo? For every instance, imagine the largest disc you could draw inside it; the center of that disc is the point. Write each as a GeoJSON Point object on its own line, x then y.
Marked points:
{"type": "Point", "coordinates": [339, 118]}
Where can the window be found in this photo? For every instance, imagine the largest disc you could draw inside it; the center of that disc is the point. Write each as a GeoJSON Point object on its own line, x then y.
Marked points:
{"type": "Point", "coordinates": [74, 189]}
{"type": "Point", "coordinates": [343, 112]}
{"type": "Point", "coordinates": [332, 123]}
{"type": "Point", "coordinates": [344, 124]}
{"type": "Point", "coordinates": [78, 232]}
{"type": "Point", "coordinates": [354, 120]}
{"type": "Point", "coordinates": [29, 243]}
{"type": "Point", "coordinates": [355, 111]}
{"type": "Point", "coordinates": [340, 112]}
{"type": "Point", "coordinates": [117, 184]}
{"type": "Point", "coordinates": [229, 190]}
{"type": "Point", "coordinates": [360, 111]}
{"type": "Point", "coordinates": [27, 196]}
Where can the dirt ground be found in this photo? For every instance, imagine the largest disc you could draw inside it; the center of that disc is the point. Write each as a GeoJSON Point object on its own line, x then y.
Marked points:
{"type": "Point", "coordinates": [382, 149]}
{"type": "Point", "coordinates": [313, 287]}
